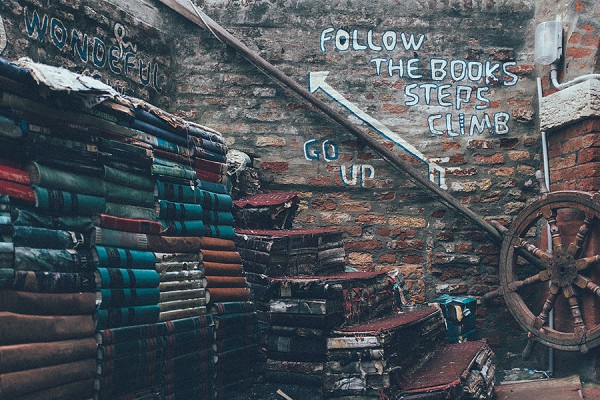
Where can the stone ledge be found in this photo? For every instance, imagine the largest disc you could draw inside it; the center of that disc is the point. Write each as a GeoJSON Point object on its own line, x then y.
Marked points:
{"type": "Point", "coordinates": [576, 103]}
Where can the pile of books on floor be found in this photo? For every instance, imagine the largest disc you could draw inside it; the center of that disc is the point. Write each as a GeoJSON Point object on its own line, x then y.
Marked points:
{"type": "Point", "coordinates": [365, 359]}
{"type": "Point", "coordinates": [236, 346]}
{"type": "Point", "coordinates": [88, 247]}
{"type": "Point", "coordinates": [304, 312]}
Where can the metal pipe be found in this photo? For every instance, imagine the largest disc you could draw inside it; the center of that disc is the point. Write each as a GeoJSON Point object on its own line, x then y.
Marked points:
{"type": "Point", "coordinates": [548, 234]}
{"type": "Point", "coordinates": [189, 11]}
{"type": "Point", "coordinates": [561, 86]}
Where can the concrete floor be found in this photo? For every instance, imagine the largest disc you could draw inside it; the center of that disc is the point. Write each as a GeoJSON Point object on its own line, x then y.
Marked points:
{"type": "Point", "coordinates": [569, 388]}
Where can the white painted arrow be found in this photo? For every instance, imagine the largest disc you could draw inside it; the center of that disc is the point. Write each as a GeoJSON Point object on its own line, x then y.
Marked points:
{"type": "Point", "coordinates": [316, 81]}
{"type": "Point", "coordinates": [3, 36]}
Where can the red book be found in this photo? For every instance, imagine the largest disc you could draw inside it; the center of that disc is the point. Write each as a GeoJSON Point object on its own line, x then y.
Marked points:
{"type": "Point", "coordinates": [210, 166]}
{"type": "Point", "coordinates": [210, 176]}
{"type": "Point", "coordinates": [129, 225]}
{"type": "Point", "coordinates": [17, 191]}
{"type": "Point", "coordinates": [12, 174]}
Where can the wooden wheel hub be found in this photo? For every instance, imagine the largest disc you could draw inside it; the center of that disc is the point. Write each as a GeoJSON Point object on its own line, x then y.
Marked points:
{"type": "Point", "coordinates": [562, 269]}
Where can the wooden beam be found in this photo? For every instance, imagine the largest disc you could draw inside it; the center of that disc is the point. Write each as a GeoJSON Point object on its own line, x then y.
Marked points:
{"type": "Point", "coordinates": [189, 11]}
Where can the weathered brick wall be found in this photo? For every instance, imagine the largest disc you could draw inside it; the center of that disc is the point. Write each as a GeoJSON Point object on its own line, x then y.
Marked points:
{"type": "Point", "coordinates": [575, 157]}
{"type": "Point", "coordinates": [580, 20]}
{"type": "Point", "coordinates": [97, 38]}
{"type": "Point", "coordinates": [390, 222]}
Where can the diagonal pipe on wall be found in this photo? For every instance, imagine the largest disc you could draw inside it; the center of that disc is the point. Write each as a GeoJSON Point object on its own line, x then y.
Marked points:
{"type": "Point", "coordinates": [189, 11]}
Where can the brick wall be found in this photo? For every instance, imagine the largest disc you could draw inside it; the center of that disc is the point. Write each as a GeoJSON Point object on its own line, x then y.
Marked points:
{"type": "Point", "coordinates": [575, 157]}
{"type": "Point", "coordinates": [97, 38]}
{"type": "Point", "coordinates": [390, 223]}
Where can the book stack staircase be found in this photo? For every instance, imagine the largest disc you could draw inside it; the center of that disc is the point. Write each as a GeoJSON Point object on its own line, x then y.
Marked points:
{"type": "Point", "coordinates": [330, 334]}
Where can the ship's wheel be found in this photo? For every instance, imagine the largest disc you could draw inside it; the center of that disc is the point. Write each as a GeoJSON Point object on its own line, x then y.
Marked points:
{"type": "Point", "coordinates": [565, 277]}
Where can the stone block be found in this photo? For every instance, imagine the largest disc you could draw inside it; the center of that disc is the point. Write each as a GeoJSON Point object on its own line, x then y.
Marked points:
{"type": "Point", "coordinates": [570, 105]}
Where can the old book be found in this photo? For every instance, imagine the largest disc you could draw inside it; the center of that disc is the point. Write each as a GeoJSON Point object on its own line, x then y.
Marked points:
{"type": "Point", "coordinates": [19, 357]}
{"type": "Point", "coordinates": [184, 294]}
{"type": "Point", "coordinates": [229, 294]}
{"type": "Point", "coordinates": [131, 297]}
{"type": "Point", "coordinates": [52, 260]}
{"type": "Point", "coordinates": [115, 257]}
{"type": "Point", "coordinates": [226, 282]}
{"type": "Point", "coordinates": [221, 256]}
{"type": "Point", "coordinates": [223, 269]}
{"type": "Point", "coordinates": [126, 316]}
{"type": "Point", "coordinates": [36, 303]}
{"type": "Point", "coordinates": [15, 384]}
{"type": "Point", "coordinates": [115, 278]}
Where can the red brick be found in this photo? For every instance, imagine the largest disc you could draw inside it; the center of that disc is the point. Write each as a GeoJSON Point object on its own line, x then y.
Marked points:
{"type": "Point", "coordinates": [518, 155]}
{"type": "Point", "coordinates": [362, 245]}
{"type": "Point", "coordinates": [521, 69]}
{"type": "Point", "coordinates": [559, 163]}
{"type": "Point", "coordinates": [274, 166]}
{"type": "Point", "coordinates": [452, 273]}
{"type": "Point", "coordinates": [578, 52]}
{"type": "Point", "coordinates": [497, 158]}
{"type": "Point", "coordinates": [403, 233]}
{"type": "Point", "coordinates": [324, 205]}
{"type": "Point", "coordinates": [412, 259]}
{"type": "Point", "coordinates": [384, 232]}
{"type": "Point", "coordinates": [518, 101]}
{"type": "Point", "coordinates": [389, 258]}
{"type": "Point", "coordinates": [445, 236]}
{"type": "Point", "coordinates": [508, 143]}
{"type": "Point", "coordinates": [579, 172]}
{"type": "Point", "coordinates": [351, 230]}
{"type": "Point", "coordinates": [462, 172]}
{"type": "Point", "coordinates": [355, 206]}
{"type": "Point", "coordinates": [464, 247]}
{"type": "Point", "coordinates": [502, 171]}
{"type": "Point", "coordinates": [450, 145]}
{"type": "Point", "coordinates": [386, 196]}
{"type": "Point", "coordinates": [480, 144]}
{"type": "Point", "coordinates": [395, 108]}
{"type": "Point", "coordinates": [588, 28]}
{"type": "Point", "coordinates": [575, 38]}
{"type": "Point", "coordinates": [489, 248]}
{"type": "Point", "coordinates": [406, 244]}
{"type": "Point", "coordinates": [588, 155]}
{"type": "Point", "coordinates": [586, 184]}
{"type": "Point", "coordinates": [457, 159]}
{"type": "Point", "coordinates": [590, 40]}
{"type": "Point", "coordinates": [372, 219]}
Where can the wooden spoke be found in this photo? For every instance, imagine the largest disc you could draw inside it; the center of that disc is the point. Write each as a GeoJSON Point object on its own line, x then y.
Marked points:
{"type": "Point", "coordinates": [585, 283]}
{"type": "Point", "coordinates": [582, 234]}
{"type": "Point", "coordinates": [531, 249]}
{"type": "Point", "coordinates": [537, 278]}
{"type": "Point", "coordinates": [550, 215]}
{"type": "Point", "coordinates": [542, 318]}
{"type": "Point", "coordinates": [583, 263]}
{"type": "Point", "coordinates": [569, 294]}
